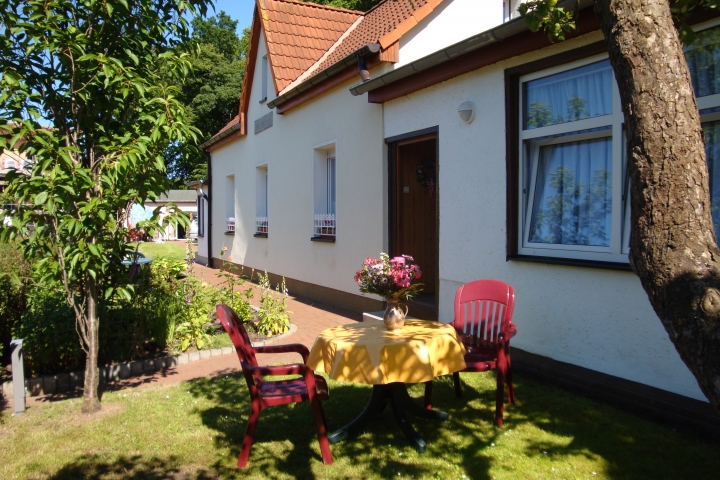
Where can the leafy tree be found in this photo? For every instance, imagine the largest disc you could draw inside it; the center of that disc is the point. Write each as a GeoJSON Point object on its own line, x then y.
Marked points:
{"type": "Point", "coordinates": [92, 69]}
{"type": "Point", "coordinates": [673, 248]}
{"type": "Point", "coordinates": [211, 92]}
{"type": "Point", "coordinates": [361, 5]}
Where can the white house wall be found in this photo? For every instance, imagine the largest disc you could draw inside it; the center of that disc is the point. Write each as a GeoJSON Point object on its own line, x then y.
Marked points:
{"type": "Point", "coordinates": [288, 150]}
{"type": "Point", "coordinates": [450, 22]}
{"type": "Point", "coordinates": [597, 319]}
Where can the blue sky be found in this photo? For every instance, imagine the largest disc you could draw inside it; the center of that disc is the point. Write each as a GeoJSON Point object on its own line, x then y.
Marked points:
{"type": "Point", "coordinates": [240, 10]}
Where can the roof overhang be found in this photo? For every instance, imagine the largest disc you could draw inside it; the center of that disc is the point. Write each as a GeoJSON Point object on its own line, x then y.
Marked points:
{"type": "Point", "coordinates": [326, 74]}
{"type": "Point", "coordinates": [227, 133]}
{"type": "Point", "coordinates": [501, 32]}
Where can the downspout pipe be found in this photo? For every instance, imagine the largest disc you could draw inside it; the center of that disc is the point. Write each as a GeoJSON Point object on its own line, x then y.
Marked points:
{"type": "Point", "coordinates": [329, 72]}
{"type": "Point", "coordinates": [362, 68]}
{"type": "Point", "coordinates": [209, 209]}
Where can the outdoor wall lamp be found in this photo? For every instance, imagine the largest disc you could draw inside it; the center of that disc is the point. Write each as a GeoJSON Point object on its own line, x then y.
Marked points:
{"type": "Point", "coordinates": [466, 110]}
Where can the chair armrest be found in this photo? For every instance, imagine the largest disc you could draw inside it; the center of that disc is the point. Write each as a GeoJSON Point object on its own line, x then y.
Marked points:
{"type": "Point", "coordinates": [292, 369]}
{"type": "Point", "coordinates": [508, 334]}
{"type": "Point", "coordinates": [291, 347]}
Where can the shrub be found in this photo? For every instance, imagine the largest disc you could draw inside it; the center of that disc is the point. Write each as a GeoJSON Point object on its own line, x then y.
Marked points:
{"type": "Point", "coordinates": [273, 317]}
{"type": "Point", "coordinates": [14, 281]}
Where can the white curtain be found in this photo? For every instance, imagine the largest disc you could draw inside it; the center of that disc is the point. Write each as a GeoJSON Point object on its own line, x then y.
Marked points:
{"type": "Point", "coordinates": [576, 94]}
{"type": "Point", "coordinates": [711, 130]}
{"type": "Point", "coordinates": [703, 58]}
{"type": "Point", "coordinates": [572, 204]}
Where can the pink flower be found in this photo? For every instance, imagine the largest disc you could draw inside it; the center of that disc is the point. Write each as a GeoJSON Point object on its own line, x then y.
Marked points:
{"type": "Point", "coordinates": [370, 261]}
{"type": "Point", "coordinates": [398, 261]}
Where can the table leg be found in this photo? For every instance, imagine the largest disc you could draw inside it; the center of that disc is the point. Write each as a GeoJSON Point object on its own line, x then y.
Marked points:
{"type": "Point", "coordinates": [376, 404]}
{"type": "Point", "coordinates": [401, 395]}
{"type": "Point", "coordinates": [396, 394]}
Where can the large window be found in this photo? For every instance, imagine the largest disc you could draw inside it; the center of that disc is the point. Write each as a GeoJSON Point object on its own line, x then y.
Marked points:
{"type": "Point", "coordinates": [572, 193]}
{"type": "Point", "coordinates": [573, 186]}
{"type": "Point", "coordinates": [703, 58]}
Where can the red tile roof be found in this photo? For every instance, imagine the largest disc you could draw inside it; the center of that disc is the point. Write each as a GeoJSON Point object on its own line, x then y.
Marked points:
{"type": "Point", "coordinates": [298, 35]}
{"type": "Point", "coordinates": [231, 123]}
{"type": "Point", "coordinates": [385, 23]}
{"type": "Point", "coordinates": [303, 39]}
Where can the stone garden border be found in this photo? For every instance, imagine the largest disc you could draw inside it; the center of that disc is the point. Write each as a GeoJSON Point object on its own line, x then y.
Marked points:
{"type": "Point", "coordinates": [69, 382]}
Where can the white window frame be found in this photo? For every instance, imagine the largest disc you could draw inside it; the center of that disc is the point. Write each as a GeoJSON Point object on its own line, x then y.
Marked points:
{"type": "Point", "coordinates": [325, 190]}
{"type": "Point", "coordinates": [261, 199]}
{"type": "Point", "coordinates": [264, 75]}
{"type": "Point", "coordinates": [616, 251]}
{"type": "Point", "coordinates": [230, 203]}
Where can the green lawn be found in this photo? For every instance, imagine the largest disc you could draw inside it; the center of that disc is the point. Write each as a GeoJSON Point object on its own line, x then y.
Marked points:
{"type": "Point", "coordinates": [194, 430]}
{"type": "Point", "coordinates": [167, 250]}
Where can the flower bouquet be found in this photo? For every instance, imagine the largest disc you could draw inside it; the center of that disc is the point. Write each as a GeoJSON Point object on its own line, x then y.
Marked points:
{"type": "Point", "coordinates": [389, 277]}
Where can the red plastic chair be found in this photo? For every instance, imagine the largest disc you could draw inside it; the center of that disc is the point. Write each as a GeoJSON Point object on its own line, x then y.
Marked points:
{"type": "Point", "coordinates": [483, 319]}
{"type": "Point", "coordinates": [264, 393]}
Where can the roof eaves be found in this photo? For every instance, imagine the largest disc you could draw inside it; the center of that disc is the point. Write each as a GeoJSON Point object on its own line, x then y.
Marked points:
{"type": "Point", "coordinates": [320, 77]}
{"type": "Point", "coordinates": [220, 136]}
{"type": "Point", "coordinates": [496, 34]}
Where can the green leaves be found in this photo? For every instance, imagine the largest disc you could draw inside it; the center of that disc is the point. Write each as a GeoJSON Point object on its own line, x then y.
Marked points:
{"type": "Point", "coordinates": [544, 15]}
{"type": "Point", "coordinates": [92, 69]}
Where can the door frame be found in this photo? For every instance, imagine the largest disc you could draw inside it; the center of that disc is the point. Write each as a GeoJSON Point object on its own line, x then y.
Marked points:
{"type": "Point", "coordinates": [392, 147]}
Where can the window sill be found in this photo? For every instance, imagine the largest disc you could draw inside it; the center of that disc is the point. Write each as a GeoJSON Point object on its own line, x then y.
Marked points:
{"type": "Point", "coordinates": [325, 239]}
{"type": "Point", "coordinates": [261, 235]}
{"type": "Point", "coordinates": [229, 233]}
{"type": "Point", "coordinates": [201, 236]}
{"type": "Point", "coordinates": [571, 262]}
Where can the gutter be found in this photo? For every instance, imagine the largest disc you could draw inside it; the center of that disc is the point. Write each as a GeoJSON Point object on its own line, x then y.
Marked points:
{"type": "Point", "coordinates": [224, 134]}
{"type": "Point", "coordinates": [331, 71]}
{"type": "Point", "coordinates": [481, 40]}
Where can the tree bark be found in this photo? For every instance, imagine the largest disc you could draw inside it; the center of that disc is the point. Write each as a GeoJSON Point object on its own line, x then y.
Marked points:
{"type": "Point", "coordinates": [91, 401]}
{"type": "Point", "coordinates": [673, 249]}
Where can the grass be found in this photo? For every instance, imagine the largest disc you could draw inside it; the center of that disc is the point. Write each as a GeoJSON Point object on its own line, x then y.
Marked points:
{"type": "Point", "coordinates": [194, 430]}
{"type": "Point", "coordinates": [167, 250]}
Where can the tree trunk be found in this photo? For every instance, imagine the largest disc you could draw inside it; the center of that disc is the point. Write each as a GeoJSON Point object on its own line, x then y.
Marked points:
{"type": "Point", "coordinates": [91, 402]}
{"type": "Point", "coordinates": [672, 248]}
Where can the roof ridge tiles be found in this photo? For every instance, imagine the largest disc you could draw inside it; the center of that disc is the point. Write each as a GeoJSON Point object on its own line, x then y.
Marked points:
{"type": "Point", "coordinates": [323, 7]}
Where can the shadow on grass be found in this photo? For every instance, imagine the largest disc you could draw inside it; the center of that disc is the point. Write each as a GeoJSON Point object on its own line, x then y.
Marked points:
{"type": "Point", "coordinates": [134, 467]}
{"type": "Point", "coordinates": [548, 425]}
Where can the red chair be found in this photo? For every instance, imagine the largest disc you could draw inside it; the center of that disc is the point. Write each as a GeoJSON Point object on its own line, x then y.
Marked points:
{"type": "Point", "coordinates": [265, 393]}
{"type": "Point", "coordinates": [483, 319]}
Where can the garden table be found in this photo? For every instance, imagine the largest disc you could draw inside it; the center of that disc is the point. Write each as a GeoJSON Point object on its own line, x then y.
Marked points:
{"type": "Point", "coordinates": [387, 360]}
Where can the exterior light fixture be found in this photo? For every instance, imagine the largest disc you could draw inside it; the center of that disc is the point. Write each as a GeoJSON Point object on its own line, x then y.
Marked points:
{"type": "Point", "coordinates": [466, 110]}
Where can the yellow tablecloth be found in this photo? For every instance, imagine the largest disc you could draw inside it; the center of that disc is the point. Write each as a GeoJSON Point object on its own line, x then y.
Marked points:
{"type": "Point", "coordinates": [369, 353]}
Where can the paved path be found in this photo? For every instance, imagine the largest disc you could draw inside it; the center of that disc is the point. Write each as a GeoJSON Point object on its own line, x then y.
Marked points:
{"type": "Point", "coordinates": [310, 317]}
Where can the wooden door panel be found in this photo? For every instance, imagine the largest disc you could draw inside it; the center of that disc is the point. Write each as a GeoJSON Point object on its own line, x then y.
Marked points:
{"type": "Point", "coordinates": [417, 209]}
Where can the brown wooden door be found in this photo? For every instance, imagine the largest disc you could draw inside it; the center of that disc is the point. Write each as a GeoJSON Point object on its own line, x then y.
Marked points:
{"type": "Point", "coordinates": [416, 197]}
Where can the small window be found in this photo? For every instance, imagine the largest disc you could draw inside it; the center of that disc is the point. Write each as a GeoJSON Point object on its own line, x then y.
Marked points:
{"type": "Point", "coordinates": [201, 216]}
{"type": "Point", "coordinates": [264, 66]}
{"type": "Point", "coordinates": [230, 204]}
{"type": "Point", "coordinates": [325, 191]}
{"type": "Point", "coordinates": [261, 201]}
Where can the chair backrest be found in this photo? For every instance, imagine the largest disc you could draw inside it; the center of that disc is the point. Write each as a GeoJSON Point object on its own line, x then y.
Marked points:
{"type": "Point", "coordinates": [245, 351]}
{"type": "Point", "coordinates": [483, 309]}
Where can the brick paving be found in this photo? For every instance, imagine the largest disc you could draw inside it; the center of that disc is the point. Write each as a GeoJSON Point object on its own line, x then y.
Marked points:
{"type": "Point", "coordinates": [310, 318]}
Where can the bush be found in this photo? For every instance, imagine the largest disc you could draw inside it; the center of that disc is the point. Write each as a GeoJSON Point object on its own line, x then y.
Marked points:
{"type": "Point", "coordinates": [273, 317]}
{"type": "Point", "coordinates": [168, 311]}
{"type": "Point", "coordinates": [14, 281]}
